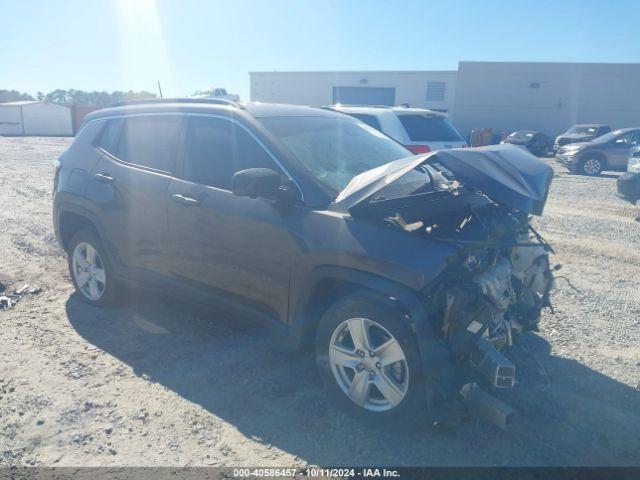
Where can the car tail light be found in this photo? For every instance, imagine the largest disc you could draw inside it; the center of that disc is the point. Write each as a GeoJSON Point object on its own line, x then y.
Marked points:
{"type": "Point", "coordinates": [418, 149]}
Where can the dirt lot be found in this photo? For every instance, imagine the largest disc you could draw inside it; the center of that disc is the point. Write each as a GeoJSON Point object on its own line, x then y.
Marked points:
{"type": "Point", "coordinates": [154, 383]}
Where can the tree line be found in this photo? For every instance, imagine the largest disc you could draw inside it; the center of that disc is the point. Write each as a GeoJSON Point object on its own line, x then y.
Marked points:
{"type": "Point", "coordinates": [75, 97]}
{"type": "Point", "coordinates": [97, 99]}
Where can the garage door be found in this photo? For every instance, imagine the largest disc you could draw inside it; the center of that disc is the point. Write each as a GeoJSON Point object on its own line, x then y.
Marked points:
{"type": "Point", "coordinates": [364, 95]}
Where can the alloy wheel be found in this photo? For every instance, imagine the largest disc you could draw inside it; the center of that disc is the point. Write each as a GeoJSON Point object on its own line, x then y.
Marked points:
{"type": "Point", "coordinates": [368, 364]}
{"type": "Point", "coordinates": [592, 166]}
{"type": "Point", "coordinates": [88, 271]}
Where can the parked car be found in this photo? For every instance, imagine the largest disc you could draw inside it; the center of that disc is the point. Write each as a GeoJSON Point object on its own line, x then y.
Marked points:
{"type": "Point", "coordinates": [629, 183]}
{"type": "Point", "coordinates": [536, 142]}
{"type": "Point", "coordinates": [407, 286]}
{"type": "Point", "coordinates": [580, 133]}
{"type": "Point", "coordinates": [418, 129]}
{"type": "Point", "coordinates": [608, 152]}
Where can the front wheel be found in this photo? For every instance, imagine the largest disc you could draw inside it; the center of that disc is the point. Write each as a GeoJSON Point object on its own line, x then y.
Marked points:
{"type": "Point", "coordinates": [369, 361]}
{"type": "Point", "coordinates": [591, 166]}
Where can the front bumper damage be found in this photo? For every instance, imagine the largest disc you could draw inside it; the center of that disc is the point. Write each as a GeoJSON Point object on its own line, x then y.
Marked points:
{"type": "Point", "coordinates": [486, 305]}
{"type": "Point", "coordinates": [497, 282]}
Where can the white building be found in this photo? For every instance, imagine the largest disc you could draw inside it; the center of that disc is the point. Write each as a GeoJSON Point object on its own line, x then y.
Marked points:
{"type": "Point", "coordinates": [419, 89]}
{"type": "Point", "coordinates": [548, 97]}
{"type": "Point", "coordinates": [35, 118]}
{"type": "Point", "coordinates": [504, 96]}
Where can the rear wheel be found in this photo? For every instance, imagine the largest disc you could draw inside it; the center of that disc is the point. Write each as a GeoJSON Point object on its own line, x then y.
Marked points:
{"type": "Point", "coordinates": [91, 271]}
{"type": "Point", "coordinates": [591, 166]}
{"type": "Point", "coordinates": [369, 361]}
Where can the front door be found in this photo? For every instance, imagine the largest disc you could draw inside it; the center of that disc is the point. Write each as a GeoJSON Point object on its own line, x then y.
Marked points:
{"type": "Point", "coordinates": [235, 246]}
{"type": "Point", "coordinates": [620, 148]}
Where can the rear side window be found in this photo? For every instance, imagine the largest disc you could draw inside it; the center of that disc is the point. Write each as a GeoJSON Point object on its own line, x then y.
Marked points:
{"type": "Point", "coordinates": [150, 141]}
{"type": "Point", "coordinates": [216, 148]}
{"type": "Point", "coordinates": [109, 136]}
{"type": "Point", "coordinates": [425, 128]}
{"type": "Point", "coordinates": [368, 119]}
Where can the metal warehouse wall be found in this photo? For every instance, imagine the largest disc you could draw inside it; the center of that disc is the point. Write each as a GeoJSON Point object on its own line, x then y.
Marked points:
{"type": "Point", "coordinates": [549, 97]}
{"type": "Point", "coordinates": [317, 88]}
{"type": "Point", "coordinates": [47, 119]}
{"type": "Point", "coordinates": [10, 120]}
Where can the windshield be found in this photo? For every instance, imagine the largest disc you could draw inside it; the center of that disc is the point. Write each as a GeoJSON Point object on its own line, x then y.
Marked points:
{"type": "Point", "coordinates": [429, 128]}
{"type": "Point", "coordinates": [334, 149]}
{"type": "Point", "coordinates": [583, 130]}
{"type": "Point", "coordinates": [607, 137]}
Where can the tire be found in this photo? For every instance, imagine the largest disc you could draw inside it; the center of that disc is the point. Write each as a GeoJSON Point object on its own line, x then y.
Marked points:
{"type": "Point", "coordinates": [590, 166]}
{"type": "Point", "coordinates": [95, 282]}
{"type": "Point", "coordinates": [404, 400]}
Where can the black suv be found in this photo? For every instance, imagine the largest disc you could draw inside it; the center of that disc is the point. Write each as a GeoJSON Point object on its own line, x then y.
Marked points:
{"type": "Point", "coordinates": [406, 275]}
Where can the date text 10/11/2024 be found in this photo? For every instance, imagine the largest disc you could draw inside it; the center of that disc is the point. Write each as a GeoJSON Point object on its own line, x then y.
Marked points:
{"type": "Point", "coordinates": [316, 472]}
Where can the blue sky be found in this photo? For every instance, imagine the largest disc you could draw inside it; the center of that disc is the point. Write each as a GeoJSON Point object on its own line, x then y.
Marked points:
{"type": "Point", "coordinates": [189, 45]}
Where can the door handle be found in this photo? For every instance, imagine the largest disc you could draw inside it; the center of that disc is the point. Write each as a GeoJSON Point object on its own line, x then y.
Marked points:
{"type": "Point", "coordinates": [103, 177]}
{"type": "Point", "coordinates": [184, 199]}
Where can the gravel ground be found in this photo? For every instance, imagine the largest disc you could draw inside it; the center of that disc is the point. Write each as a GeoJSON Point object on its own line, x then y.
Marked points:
{"type": "Point", "coordinates": [156, 383]}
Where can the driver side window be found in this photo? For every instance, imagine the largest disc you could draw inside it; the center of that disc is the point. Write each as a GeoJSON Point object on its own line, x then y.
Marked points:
{"type": "Point", "coordinates": [216, 148]}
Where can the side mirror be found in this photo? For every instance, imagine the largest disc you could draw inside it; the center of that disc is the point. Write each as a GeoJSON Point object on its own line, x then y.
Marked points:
{"type": "Point", "coordinates": [256, 182]}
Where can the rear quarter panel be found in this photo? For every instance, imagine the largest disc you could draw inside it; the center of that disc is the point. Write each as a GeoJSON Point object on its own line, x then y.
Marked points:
{"type": "Point", "coordinates": [78, 161]}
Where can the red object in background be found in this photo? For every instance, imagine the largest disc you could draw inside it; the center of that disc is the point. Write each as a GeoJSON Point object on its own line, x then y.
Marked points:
{"type": "Point", "coordinates": [418, 149]}
{"type": "Point", "coordinates": [78, 112]}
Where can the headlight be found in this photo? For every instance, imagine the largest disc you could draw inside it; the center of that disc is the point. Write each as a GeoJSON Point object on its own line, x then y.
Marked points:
{"type": "Point", "coordinates": [573, 148]}
{"type": "Point", "coordinates": [634, 165]}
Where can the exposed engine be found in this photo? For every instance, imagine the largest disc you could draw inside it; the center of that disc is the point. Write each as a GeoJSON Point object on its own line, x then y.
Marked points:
{"type": "Point", "coordinates": [498, 296]}
{"type": "Point", "coordinates": [499, 288]}
{"type": "Point", "coordinates": [492, 291]}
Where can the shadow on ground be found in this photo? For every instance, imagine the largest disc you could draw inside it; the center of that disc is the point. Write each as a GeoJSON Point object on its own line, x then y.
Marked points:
{"type": "Point", "coordinates": [228, 367]}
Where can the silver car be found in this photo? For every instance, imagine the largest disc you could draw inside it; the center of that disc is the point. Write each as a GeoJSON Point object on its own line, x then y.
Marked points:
{"type": "Point", "coordinates": [608, 152]}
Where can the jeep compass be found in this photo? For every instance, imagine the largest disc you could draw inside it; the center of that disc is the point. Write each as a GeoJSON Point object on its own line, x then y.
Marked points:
{"type": "Point", "coordinates": [408, 277]}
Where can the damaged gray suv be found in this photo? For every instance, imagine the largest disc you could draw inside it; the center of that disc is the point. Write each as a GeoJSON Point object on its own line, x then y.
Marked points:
{"type": "Point", "coordinates": [408, 277]}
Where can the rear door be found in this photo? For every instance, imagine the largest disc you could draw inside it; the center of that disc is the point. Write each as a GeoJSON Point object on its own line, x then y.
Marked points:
{"type": "Point", "coordinates": [236, 247]}
{"type": "Point", "coordinates": [129, 185]}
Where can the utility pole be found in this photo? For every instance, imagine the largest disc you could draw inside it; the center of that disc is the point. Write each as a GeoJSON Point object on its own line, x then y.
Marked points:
{"type": "Point", "coordinates": [160, 89]}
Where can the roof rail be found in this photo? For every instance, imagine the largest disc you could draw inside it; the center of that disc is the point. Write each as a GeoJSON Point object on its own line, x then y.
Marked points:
{"type": "Point", "coordinates": [144, 101]}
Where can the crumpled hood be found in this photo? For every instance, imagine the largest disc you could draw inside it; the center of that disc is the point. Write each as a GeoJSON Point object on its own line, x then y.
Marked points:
{"type": "Point", "coordinates": [507, 174]}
